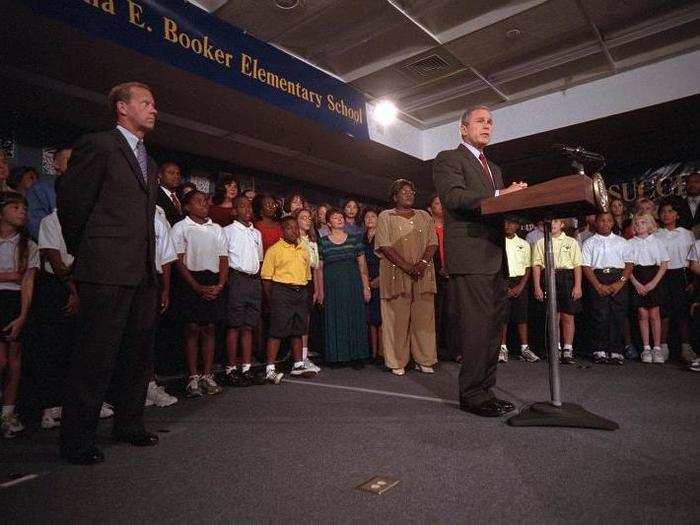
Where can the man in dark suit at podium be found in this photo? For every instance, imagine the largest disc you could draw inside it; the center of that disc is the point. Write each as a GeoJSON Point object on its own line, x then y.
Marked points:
{"type": "Point", "coordinates": [474, 256]}
{"type": "Point", "coordinates": [169, 178]}
{"type": "Point", "coordinates": [106, 206]}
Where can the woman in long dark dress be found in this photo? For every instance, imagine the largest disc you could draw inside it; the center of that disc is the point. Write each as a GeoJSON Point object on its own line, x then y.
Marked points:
{"type": "Point", "coordinates": [374, 314]}
{"type": "Point", "coordinates": [345, 290]}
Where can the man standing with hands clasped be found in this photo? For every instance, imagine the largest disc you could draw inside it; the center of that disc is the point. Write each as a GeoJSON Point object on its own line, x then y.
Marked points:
{"type": "Point", "coordinates": [473, 255]}
{"type": "Point", "coordinates": [106, 204]}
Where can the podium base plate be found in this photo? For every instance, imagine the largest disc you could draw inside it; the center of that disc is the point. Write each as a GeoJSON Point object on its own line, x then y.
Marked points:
{"type": "Point", "coordinates": [567, 415]}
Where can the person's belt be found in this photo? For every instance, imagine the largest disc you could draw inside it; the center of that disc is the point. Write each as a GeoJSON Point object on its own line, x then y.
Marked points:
{"type": "Point", "coordinates": [295, 287]}
{"type": "Point", "coordinates": [244, 274]}
{"type": "Point", "coordinates": [608, 270]}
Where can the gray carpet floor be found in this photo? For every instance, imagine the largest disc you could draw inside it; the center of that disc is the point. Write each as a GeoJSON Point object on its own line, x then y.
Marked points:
{"type": "Point", "coordinates": [295, 453]}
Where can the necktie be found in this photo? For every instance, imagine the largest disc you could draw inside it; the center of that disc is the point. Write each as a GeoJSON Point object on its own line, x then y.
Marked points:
{"type": "Point", "coordinates": [142, 158]}
{"type": "Point", "coordinates": [176, 202]}
{"type": "Point", "coordinates": [485, 169]}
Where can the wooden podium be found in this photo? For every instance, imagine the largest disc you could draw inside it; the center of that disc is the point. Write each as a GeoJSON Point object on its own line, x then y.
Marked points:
{"type": "Point", "coordinates": [562, 197]}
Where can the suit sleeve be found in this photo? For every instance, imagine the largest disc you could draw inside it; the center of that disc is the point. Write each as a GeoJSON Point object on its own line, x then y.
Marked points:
{"type": "Point", "coordinates": [79, 188]}
{"type": "Point", "coordinates": [454, 193]}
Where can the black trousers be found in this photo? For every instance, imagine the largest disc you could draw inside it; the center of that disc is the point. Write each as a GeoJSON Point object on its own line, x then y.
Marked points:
{"type": "Point", "coordinates": [477, 308]}
{"type": "Point", "coordinates": [114, 325]}
{"type": "Point", "coordinates": [607, 315]}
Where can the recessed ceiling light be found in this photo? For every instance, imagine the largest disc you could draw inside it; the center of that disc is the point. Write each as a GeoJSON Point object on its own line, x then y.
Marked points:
{"type": "Point", "coordinates": [385, 112]}
{"type": "Point", "coordinates": [513, 33]}
{"type": "Point", "coordinates": [287, 4]}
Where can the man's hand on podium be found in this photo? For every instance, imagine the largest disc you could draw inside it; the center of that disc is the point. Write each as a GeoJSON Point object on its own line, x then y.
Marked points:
{"type": "Point", "coordinates": [515, 186]}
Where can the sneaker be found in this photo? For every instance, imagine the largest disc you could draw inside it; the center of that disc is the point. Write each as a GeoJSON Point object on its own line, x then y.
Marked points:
{"type": "Point", "coordinates": [10, 425]}
{"type": "Point", "coordinates": [273, 377]}
{"type": "Point", "coordinates": [688, 356]}
{"type": "Point", "coordinates": [694, 366]}
{"type": "Point", "coordinates": [300, 369]}
{"type": "Point", "coordinates": [503, 355]}
{"type": "Point", "coordinates": [658, 355]}
{"type": "Point", "coordinates": [528, 355]}
{"type": "Point", "coordinates": [665, 352]}
{"type": "Point", "coordinates": [600, 358]}
{"type": "Point", "coordinates": [51, 418]}
{"type": "Point", "coordinates": [398, 371]}
{"type": "Point", "coordinates": [160, 398]}
{"type": "Point", "coordinates": [647, 355]}
{"type": "Point", "coordinates": [567, 357]}
{"type": "Point", "coordinates": [193, 389]}
{"type": "Point", "coordinates": [425, 369]}
{"type": "Point", "coordinates": [631, 352]}
{"type": "Point", "coordinates": [232, 378]}
{"type": "Point", "coordinates": [106, 411]}
{"type": "Point", "coordinates": [311, 366]}
{"type": "Point", "coordinates": [616, 359]}
{"type": "Point", "coordinates": [209, 386]}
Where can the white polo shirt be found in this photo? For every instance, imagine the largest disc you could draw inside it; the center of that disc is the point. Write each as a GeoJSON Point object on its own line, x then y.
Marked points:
{"type": "Point", "coordinates": [694, 254]}
{"type": "Point", "coordinates": [51, 238]}
{"type": "Point", "coordinates": [611, 251]}
{"type": "Point", "coordinates": [678, 242]}
{"type": "Point", "coordinates": [245, 250]}
{"type": "Point", "coordinates": [648, 251]}
{"type": "Point", "coordinates": [165, 250]}
{"type": "Point", "coordinates": [8, 259]}
{"type": "Point", "coordinates": [202, 244]}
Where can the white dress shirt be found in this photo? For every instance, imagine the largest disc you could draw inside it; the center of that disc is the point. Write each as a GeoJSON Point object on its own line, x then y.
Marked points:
{"type": "Point", "coordinates": [693, 204]}
{"type": "Point", "coordinates": [648, 251]}
{"type": "Point", "coordinates": [611, 251]}
{"type": "Point", "coordinates": [165, 249]}
{"type": "Point", "coordinates": [475, 151]}
{"type": "Point", "coordinates": [678, 242]}
{"type": "Point", "coordinates": [132, 139]}
{"type": "Point", "coordinates": [51, 237]}
{"type": "Point", "coordinates": [202, 244]}
{"type": "Point", "coordinates": [694, 255]}
{"type": "Point", "coordinates": [245, 250]}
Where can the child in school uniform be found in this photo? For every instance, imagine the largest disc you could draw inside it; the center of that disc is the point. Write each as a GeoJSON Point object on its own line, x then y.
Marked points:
{"type": "Point", "coordinates": [607, 265]}
{"type": "Point", "coordinates": [285, 273]}
{"type": "Point", "coordinates": [678, 242]}
{"type": "Point", "coordinates": [202, 253]}
{"type": "Point", "coordinates": [650, 259]}
{"type": "Point", "coordinates": [19, 259]}
{"type": "Point", "coordinates": [519, 269]}
{"type": "Point", "coordinates": [567, 264]}
{"type": "Point", "coordinates": [165, 256]}
{"type": "Point", "coordinates": [245, 253]}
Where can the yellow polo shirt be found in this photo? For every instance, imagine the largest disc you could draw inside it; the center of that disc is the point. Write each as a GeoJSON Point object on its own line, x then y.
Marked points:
{"type": "Point", "coordinates": [518, 254]}
{"type": "Point", "coordinates": [287, 264]}
{"type": "Point", "coordinates": [567, 252]}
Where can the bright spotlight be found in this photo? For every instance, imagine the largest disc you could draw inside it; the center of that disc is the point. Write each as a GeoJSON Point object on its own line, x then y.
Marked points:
{"type": "Point", "coordinates": [385, 112]}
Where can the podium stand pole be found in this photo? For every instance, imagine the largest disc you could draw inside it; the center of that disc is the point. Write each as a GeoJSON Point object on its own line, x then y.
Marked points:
{"type": "Point", "coordinates": [552, 324]}
{"type": "Point", "coordinates": [555, 413]}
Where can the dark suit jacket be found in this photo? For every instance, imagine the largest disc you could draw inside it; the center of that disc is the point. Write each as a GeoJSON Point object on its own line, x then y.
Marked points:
{"type": "Point", "coordinates": [169, 208]}
{"type": "Point", "coordinates": [686, 219]}
{"type": "Point", "coordinates": [106, 211]}
{"type": "Point", "coordinates": [473, 245]}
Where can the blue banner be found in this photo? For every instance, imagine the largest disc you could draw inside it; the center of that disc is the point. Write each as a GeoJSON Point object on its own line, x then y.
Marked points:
{"type": "Point", "coordinates": [184, 36]}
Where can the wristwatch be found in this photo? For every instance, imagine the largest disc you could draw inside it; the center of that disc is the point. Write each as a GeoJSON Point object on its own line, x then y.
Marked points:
{"type": "Point", "coordinates": [623, 279]}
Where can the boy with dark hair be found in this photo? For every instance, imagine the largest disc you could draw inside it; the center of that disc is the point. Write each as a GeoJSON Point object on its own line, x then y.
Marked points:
{"type": "Point", "coordinates": [285, 273]}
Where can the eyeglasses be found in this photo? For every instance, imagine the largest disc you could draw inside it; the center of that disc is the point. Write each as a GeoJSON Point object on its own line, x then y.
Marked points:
{"type": "Point", "coordinates": [408, 191]}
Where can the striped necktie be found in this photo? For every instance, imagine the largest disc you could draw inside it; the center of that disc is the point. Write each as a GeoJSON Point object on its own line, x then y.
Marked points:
{"type": "Point", "coordinates": [142, 158]}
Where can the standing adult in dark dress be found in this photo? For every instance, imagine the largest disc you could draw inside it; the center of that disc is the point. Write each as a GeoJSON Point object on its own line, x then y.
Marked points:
{"type": "Point", "coordinates": [474, 257]}
{"type": "Point", "coordinates": [106, 205]}
{"type": "Point", "coordinates": [374, 312]}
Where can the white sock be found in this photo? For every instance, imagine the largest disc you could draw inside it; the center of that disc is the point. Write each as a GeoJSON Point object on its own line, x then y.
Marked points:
{"type": "Point", "coordinates": [647, 347]}
{"type": "Point", "coordinates": [230, 369]}
{"type": "Point", "coordinates": [568, 347]}
{"type": "Point", "coordinates": [504, 347]}
{"type": "Point", "coordinates": [298, 364]}
{"type": "Point", "coordinates": [270, 368]}
{"type": "Point", "coordinates": [523, 347]}
{"type": "Point", "coordinates": [8, 410]}
{"type": "Point", "coordinates": [245, 367]}
{"type": "Point", "coordinates": [305, 353]}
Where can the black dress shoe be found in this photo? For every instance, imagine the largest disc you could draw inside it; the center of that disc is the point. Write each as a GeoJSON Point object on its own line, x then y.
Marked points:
{"type": "Point", "coordinates": [488, 408]}
{"type": "Point", "coordinates": [139, 439]}
{"type": "Point", "coordinates": [505, 405]}
{"type": "Point", "coordinates": [89, 456]}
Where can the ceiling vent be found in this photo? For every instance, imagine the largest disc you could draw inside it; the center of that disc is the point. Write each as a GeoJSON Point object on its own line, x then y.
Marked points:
{"type": "Point", "coordinates": [427, 67]}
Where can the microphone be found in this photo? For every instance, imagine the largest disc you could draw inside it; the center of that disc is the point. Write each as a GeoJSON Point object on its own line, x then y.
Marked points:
{"type": "Point", "coordinates": [578, 152]}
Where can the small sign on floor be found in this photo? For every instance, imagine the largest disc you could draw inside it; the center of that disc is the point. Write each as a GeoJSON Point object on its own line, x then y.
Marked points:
{"type": "Point", "coordinates": [378, 484]}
